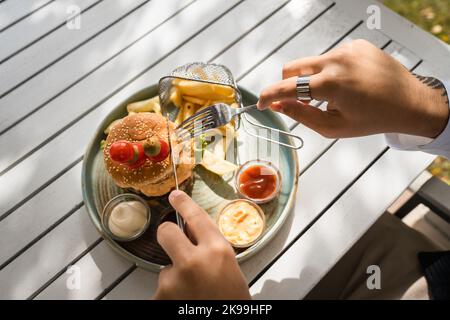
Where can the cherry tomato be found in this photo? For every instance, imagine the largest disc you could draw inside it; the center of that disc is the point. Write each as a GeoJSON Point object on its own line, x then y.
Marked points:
{"type": "Point", "coordinates": [121, 151]}
{"type": "Point", "coordinates": [163, 153]}
{"type": "Point", "coordinates": [127, 153]}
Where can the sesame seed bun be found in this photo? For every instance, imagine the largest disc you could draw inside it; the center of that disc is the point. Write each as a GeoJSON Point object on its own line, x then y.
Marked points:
{"type": "Point", "coordinates": [152, 178]}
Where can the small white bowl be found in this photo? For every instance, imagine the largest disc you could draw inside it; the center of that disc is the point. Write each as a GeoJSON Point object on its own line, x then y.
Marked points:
{"type": "Point", "coordinates": [114, 202]}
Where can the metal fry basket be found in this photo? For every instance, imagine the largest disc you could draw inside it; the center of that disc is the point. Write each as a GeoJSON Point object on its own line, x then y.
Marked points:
{"type": "Point", "coordinates": [217, 74]}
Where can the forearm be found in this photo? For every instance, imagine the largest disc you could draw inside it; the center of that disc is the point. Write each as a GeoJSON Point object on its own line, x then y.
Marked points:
{"type": "Point", "coordinates": [433, 132]}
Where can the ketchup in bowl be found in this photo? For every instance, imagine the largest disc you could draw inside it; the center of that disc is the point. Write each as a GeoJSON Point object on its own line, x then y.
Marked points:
{"type": "Point", "coordinates": [258, 181]}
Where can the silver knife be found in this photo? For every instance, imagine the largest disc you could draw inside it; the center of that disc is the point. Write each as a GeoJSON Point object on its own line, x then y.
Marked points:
{"type": "Point", "coordinates": [180, 220]}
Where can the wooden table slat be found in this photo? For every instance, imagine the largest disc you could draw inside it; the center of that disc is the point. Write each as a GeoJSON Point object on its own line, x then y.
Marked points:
{"type": "Point", "coordinates": [37, 25]}
{"type": "Point", "coordinates": [404, 32]}
{"type": "Point", "coordinates": [99, 268]}
{"type": "Point", "coordinates": [26, 274]}
{"type": "Point", "coordinates": [12, 12]}
{"type": "Point", "coordinates": [31, 61]}
{"type": "Point", "coordinates": [294, 19]}
{"type": "Point", "coordinates": [35, 217]}
{"type": "Point", "coordinates": [139, 285]}
{"type": "Point", "coordinates": [402, 54]}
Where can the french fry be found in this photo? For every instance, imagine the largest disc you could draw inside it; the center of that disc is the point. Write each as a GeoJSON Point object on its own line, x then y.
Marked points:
{"type": "Point", "coordinates": [194, 100]}
{"type": "Point", "coordinates": [179, 118]}
{"type": "Point", "coordinates": [193, 96]}
{"type": "Point", "coordinates": [150, 105]}
{"type": "Point", "coordinates": [188, 110]}
{"type": "Point", "coordinates": [175, 97]}
{"type": "Point", "coordinates": [205, 91]}
{"type": "Point", "coordinates": [227, 130]}
{"type": "Point", "coordinates": [175, 82]}
{"type": "Point", "coordinates": [225, 91]}
{"type": "Point", "coordinates": [209, 103]}
{"type": "Point", "coordinates": [229, 134]}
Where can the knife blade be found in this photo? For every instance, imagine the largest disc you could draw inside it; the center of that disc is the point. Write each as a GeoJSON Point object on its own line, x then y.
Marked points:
{"type": "Point", "coordinates": [180, 220]}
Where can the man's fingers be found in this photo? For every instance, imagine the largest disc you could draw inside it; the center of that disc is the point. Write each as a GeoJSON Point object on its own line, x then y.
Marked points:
{"type": "Point", "coordinates": [322, 87]}
{"type": "Point", "coordinates": [174, 242]}
{"type": "Point", "coordinates": [284, 89]}
{"type": "Point", "coordinates": [323, 122]}
{"type": "Point", "coordinates": [198, 221]}
{"type": "Point", "coordinates": [303, 66]}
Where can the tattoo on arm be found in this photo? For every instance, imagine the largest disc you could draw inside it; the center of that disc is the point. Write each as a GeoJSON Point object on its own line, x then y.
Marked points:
{"type": "Point", "coordinates": [434, 84]}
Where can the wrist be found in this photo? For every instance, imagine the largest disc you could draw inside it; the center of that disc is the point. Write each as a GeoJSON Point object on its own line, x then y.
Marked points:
{"type": "Point", "coordinates": [431, 104]}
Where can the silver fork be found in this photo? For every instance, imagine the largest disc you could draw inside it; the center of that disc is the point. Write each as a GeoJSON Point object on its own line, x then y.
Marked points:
{"type": "Point", "coordinates": [209, 118]}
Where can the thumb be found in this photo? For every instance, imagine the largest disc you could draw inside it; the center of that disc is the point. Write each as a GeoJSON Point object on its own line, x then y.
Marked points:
{"type": "Point", "coordinates": [164, 283]}
{"type": "Point", "coordinates": [312, 117]}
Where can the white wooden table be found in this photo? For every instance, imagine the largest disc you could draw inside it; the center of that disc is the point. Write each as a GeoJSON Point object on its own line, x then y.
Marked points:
{"type": "Point", "coordinates": [57, 83]}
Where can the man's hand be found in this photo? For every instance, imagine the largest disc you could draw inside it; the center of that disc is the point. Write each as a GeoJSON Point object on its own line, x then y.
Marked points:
{"type": "Point", "coordinates": [367, 91]}
{"type": "Point", "coordinates": [205, 270]}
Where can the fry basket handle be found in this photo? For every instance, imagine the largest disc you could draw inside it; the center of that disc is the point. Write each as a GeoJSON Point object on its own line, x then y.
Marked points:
{"type": "Point", "coordinates": [295, 147]}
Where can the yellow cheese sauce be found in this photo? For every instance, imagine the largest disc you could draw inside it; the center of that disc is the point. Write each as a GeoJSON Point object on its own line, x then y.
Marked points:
{"type": "Point", "coordinates": [241, 223]}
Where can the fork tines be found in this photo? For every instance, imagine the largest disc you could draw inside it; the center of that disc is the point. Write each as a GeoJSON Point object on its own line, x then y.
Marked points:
{"type": "Point", "coordinates": [196, 124]}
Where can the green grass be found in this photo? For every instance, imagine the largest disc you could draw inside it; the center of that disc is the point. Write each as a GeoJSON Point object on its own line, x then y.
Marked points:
{"type": "Point", "coordinates": [434, 17]}
{"type": "Point", "coordinates": [431, 15]}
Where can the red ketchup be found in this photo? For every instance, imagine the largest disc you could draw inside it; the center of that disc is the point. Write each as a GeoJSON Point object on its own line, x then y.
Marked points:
{"type": "Point", "coordinates": [134, 154]}
{"type": "Point", "coordinates": [258, 182]}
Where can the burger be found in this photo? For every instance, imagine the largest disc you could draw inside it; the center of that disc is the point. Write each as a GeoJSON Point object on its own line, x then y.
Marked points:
{"type": "Point", "coordinates": [137, 155]}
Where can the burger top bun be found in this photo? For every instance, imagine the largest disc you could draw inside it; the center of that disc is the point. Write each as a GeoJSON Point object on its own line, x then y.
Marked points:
{"type": "Point", "coordinates": [151, 178]}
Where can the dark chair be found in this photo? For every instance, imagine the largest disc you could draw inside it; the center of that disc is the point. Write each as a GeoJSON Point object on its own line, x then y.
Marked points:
{"type": "Point", "coordinates": [434, 194]}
